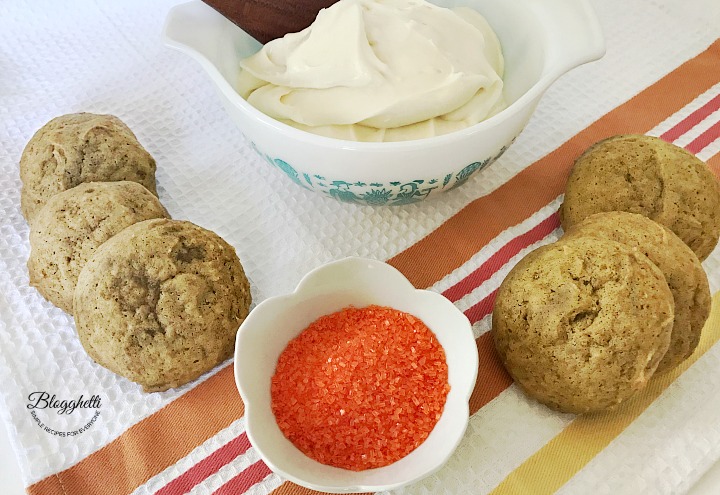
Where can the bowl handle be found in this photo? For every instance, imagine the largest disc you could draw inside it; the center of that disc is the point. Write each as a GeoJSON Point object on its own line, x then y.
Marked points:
{"type": "Point", "coordinates": [193, 27]}
{"type": "Point", "coordinates": [205, 35]}
{"type": "Point", "coordinates": [574, 34]}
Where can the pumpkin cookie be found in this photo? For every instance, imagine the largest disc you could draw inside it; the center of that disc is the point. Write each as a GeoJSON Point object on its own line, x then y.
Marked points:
{"type": "Point", "coordinates": [646, 175]}
{"type": "Point", "coordinates": [582, 324]}
{"type": "Point", "coordinates": [76, 148]}
{"type": "Point", "coordinates": [682, 269]}
{"type": "Point", "coordinates": [160, 303]}
{"type": "Point", "coordinates": [73, 223]}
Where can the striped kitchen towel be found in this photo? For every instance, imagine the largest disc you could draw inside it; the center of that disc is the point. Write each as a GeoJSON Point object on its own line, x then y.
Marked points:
{"type": "Point", "coordinates": [541, 451]}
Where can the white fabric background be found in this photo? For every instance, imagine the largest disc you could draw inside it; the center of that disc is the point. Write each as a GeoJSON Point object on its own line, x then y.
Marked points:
{"type": "Point", "coordinates": [107, 57]}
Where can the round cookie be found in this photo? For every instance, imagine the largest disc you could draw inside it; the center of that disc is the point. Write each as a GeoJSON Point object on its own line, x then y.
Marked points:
{"type": "Point", "coordinates": [160, 303]}
{"type": "Point", "coordinates": [582, 324]}
{"type": "Point", "coordinates": [646, 175]}
{"type": "Point", "coordinates": [71, 226]}
{"type": "Point", "coordinates": [76, 148]}
{"type": "Point", "coordinates": [682, 269]}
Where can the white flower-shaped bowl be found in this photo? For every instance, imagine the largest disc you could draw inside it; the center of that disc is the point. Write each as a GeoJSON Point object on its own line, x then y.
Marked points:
{"type": "Point", "coordinates": [541, 40]}
{"type": "Point", "coordinates": [350, 282]}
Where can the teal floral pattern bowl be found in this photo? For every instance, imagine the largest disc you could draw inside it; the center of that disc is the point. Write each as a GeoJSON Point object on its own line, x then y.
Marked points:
{"type": "Point", "coordinates": [391, 193]}
{"type": "Point", "coordinates": [540, 42]}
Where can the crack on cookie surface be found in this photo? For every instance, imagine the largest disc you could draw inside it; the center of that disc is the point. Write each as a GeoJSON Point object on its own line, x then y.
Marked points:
{"type": "Point", "coordinates": [175, 295]}
{"type": "Point", "coordinates": [562, 319]}
{"type": "Point", "coordinates": [187, 252]}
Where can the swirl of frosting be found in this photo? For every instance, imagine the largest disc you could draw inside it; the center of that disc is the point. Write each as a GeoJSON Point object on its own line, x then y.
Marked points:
{"type": "Point", "coordinates": [380, 70]}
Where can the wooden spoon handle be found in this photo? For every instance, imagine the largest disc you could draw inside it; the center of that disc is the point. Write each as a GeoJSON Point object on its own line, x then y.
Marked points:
{"type": "Point", "coordinates": [266, 20]}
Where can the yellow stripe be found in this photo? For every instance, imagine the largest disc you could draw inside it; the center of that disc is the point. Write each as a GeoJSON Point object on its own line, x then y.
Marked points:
{"type": "Point", "coordinates": [560, 459]}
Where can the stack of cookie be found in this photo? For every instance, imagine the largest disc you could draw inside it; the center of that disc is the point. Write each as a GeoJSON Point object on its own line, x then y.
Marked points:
{"type": "Point", "coordinates": [584, 323]}
{"type": "Point", "coordinates": [155, 300]}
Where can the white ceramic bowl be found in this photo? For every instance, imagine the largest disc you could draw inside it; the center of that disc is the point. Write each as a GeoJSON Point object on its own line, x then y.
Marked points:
{"type": "Point", "coordinates": [358, 282]}
{"type": "Point", "coordinates": [541, 40]}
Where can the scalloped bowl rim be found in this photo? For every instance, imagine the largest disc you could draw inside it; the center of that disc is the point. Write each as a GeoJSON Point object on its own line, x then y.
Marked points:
{"type": "Point", "coordinates": [466, 385]}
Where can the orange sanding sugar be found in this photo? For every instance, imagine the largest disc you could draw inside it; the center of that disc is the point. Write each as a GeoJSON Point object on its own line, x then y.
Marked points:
{"type": "Point", "coordinates": [360, 388]}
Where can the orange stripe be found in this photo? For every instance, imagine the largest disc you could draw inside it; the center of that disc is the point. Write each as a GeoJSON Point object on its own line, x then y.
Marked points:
{"type": "Point", "coordinates": [464, 234]}
{"type": "Point", "coordinates": [714, 164]}
{"type": "Point", "coordinates": [494, 377]}
{"type": "Point", "coordinates": [471, 228]}
{"type": "Point", "coordinates": [153, 444]}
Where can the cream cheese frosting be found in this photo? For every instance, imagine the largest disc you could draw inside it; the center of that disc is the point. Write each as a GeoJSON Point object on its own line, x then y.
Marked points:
{"type": "Point", "coordinates": [380, 70]}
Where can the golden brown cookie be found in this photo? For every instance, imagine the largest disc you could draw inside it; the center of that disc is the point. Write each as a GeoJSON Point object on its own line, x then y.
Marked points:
{"type": "Point", "coordinates": [682, 269]}
{"type": "Point", "coordinates": [160, 303]}
{"type": "Point", "coordinates": [646, 175]}
{"type": "Point", "coordinates": [76, 148]}
{"type": "Point", "coordinates": [73, 223]}
{"type": "Point", "coordinates": [582, 324]}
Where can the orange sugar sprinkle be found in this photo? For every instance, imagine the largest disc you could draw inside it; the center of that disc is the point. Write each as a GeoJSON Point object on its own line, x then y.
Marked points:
{"type": "Point", "coordinates": [360, 388]}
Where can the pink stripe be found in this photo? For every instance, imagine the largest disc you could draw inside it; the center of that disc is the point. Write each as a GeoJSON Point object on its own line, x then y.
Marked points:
{"type": "Point", "coordinates": [484, 307]}
{"type": "Point", "coordinates": [239, 484]}
{"type": "Point", "coordinates": [481, 309]}
{"type": "Point", "coordinates": [692, 120]}
{"type": "Point", "coordinates": [699, 143]}
{"type": "Point", "coordinates": [208, 466]}
{"type": "Point", "coordinates": [502, 256]}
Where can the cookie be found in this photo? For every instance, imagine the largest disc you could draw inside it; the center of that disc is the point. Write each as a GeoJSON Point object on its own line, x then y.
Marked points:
{"type": "Point", "coordinates": [682, 269]}
{"type": "Point", "coordinates": [73, 223]}
{"type": "Point", "coordinates": [77, 148]}
{"type": "Point", "coordinates": [160, 303]}
{"type": "Point", "coordinates": [646, 175]}
{"type": "Point", "coordinates": [582, 324]}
